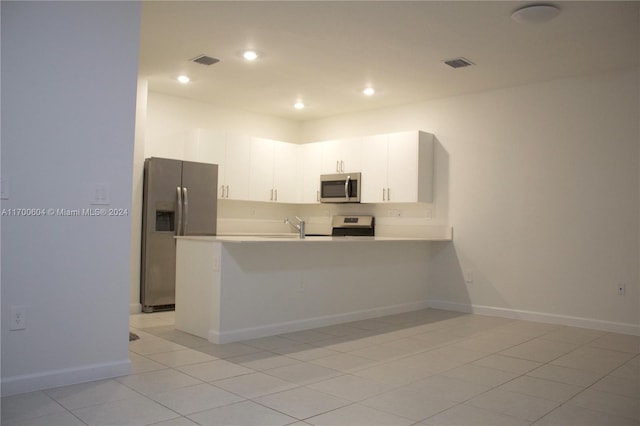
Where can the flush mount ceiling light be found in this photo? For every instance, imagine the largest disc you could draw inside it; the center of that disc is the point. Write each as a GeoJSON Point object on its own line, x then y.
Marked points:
{"type": "Point", "coordinates": [369, 91]}
{"type": "Point", "coordinates": [535, 14]}
{"type": "Point", "coordinates": [250, 55]}
{"type": "Point", "coordinates": [298, 105]}
{"type": "Point", "coordinates": [183, 79]}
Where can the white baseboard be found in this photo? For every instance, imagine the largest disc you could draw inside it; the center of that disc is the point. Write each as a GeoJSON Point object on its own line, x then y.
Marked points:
{"type": "Point", "coordinates": [305, 324]}
{"type": "Point", "coordinates": [68, 376]}
{"type": "Point", "coordinates": [614, 327]}
{"type": "Point", "coordinates": [135, 308]}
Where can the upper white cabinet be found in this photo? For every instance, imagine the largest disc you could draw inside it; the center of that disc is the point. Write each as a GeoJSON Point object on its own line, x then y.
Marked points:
{"type": "Point", "coordinates": [341, 155]}
{"type": "Point", "coordinates": [397, 168]}
{"type": "Point", "coordinates": [309, 171]}
{"type": "Point", "coordinates": [235, 178]}
{"type": "Point", "coordinates": [272, 175]}
{"type": "Point", "coordinates": [229, 152]}
{"type": "Point", "coordinates": [204, 146]}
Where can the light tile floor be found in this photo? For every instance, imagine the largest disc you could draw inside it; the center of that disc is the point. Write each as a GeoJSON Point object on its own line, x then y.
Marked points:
{"type": "Point", "coordinates": [426, 368]}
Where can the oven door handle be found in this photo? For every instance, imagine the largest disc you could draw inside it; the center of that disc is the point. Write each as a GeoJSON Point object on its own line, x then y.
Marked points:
{"type": "Point", "coordinates": [347, 184]}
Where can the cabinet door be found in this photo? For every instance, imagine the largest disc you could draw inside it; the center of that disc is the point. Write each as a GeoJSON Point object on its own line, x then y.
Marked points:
{"type": "Point", "coordinates": [236, 167]}
{"type": "Point", "coordinates": [310, 169]}
{"type": "Point", "coordinates": [330, 156]}
{"type": "Point", "coordinates": [261, 170]}
{"type": "Point", "coordinates": [204, 146]}
{"type": "Point", "coordinates": [374, 169]}
{"type": "Point", "coordinates": [402, 172]}
{"type": "Point", "coordinates": [285, 178]}
{"type": "Point", "coordinates": [350, 154]}
{"type": "Point", "coordinates": [341, 155]}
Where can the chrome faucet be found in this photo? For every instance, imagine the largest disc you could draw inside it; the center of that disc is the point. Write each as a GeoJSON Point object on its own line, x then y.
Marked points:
{"type": "Point", "coordinates": [299, 226]}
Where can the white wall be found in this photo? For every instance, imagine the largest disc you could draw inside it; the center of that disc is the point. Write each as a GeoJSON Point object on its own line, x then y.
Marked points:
{"type": "Point", "coordinates": [170, 118]}
{"type": "Point", "coordinates": [68, 105]}
{"type": "Point", "coordinates": [543, 196]}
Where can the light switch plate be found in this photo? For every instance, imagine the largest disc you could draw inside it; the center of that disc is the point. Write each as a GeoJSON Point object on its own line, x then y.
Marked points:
{"type": "Point", "coordinates": [18, 318]}
{"type": "Point", "coordinates": [4, 189]}
{"type": "Point", "coordinates": [100, 194]}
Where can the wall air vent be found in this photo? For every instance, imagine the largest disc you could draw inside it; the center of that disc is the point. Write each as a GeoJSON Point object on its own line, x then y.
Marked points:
{"type": "Point", "coordinates": [205, 60]}
{"type": "Point", "coordinates": [458, 62]}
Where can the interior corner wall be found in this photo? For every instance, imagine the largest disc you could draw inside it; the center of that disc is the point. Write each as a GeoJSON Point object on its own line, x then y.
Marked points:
{"type": "Point", "coordinates": [544, 197]}
{"type": "Point", "coordinates": [68, 108]}
{"type": "Point", "coordinates": [136, 196]}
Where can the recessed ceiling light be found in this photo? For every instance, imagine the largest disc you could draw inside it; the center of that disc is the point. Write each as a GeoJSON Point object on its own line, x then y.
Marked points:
{"type": "Point", "coordinates": [369, 91]}
{"type": "Point", "coordinates": [298, 105]}
{"type": "Point", "coordinates": [183, 79]}
{"type": "Point", "coordinates": [250, 55]}
{"type": "Point", "coordinates": [535, 13]}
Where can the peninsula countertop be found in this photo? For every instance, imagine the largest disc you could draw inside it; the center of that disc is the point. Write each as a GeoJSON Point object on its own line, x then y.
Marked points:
{"type": "Point", "coordinates": [294, 238]}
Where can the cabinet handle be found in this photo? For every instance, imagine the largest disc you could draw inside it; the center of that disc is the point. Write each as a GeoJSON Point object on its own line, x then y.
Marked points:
{"type": "Point", "coordinates": [384, 196]}
{"type": "Point", "coordinates": [337, 165]}
{"type": "Point", "coordinates": [271, 196]}
{"type": "Point", "coordinates": [388, 194]}
{"type": "Point", "coordinates": [227, 191]}
{"type": "Point", "coordinates": [317, 195]}
{"type": "Point", "coordinates": [275, 198]}
{"type": "Point", "coordinates": [221, 191]}
{"type": "Point", "coordinates": [342, 166]}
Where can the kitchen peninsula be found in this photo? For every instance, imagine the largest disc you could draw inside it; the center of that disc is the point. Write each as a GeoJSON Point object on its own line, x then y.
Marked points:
{"type": "Point", "coordinates": [231, 288]}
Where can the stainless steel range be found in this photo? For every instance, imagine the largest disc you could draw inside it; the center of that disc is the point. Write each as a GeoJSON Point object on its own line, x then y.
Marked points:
{"type": "Point", "coordinates": [354, 226]}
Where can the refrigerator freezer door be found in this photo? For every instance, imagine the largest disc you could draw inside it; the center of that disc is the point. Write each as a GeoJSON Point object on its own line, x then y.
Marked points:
{"type": "Point", "coordinates": [200, 198]}
{"type": "Point", "coordinates": [160, 216]}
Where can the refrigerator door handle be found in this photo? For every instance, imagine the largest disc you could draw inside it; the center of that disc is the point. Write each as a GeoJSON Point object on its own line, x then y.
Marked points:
{"type": "Point", "coordinates": [179, 224]}
{"type": "Point", "coordinates": [185, 202]}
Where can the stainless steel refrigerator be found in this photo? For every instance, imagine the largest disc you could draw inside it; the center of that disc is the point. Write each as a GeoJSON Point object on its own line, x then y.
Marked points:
{"type": "Point", "coordinates": [179, 198]}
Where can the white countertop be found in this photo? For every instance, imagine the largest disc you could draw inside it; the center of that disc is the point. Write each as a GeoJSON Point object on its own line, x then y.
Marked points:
{"type": "Point", "coordinates": [293, 238]}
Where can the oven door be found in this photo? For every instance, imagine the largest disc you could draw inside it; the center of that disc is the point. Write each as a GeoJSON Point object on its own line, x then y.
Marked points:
{"type": "Point", "coordinates": [340, 188]}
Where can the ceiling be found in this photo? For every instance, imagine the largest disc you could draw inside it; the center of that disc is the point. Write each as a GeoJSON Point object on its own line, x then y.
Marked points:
{"type": "Point", "coordinates": [326, 52]}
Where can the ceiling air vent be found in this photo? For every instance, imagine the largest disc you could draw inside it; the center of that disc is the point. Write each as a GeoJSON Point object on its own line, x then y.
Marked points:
{"type": "Point", "coordinates": [458, 62]}
{"type": "Point", "coordinates": [205, 60]}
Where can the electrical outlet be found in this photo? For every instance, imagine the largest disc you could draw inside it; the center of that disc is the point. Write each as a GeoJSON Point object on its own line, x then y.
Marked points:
{"type": "Point", "coordinates": [622, 289]}
{"type": "Point", "coordinates": [394, 213]}
{"type": "Point", "coordinates": [18, 318]}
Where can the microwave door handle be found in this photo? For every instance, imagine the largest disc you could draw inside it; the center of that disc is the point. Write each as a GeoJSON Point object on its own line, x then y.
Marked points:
{"type": "Point", "coordinates": [179, 224]}
{"type": "Point", "coordinates": [347, 184]}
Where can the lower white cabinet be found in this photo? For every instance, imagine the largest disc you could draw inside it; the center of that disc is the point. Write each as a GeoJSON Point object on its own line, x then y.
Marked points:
{"type": "Point", "coordinates": [397, 168]}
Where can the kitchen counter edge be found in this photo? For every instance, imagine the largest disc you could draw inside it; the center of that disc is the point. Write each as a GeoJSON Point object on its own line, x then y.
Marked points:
{"type": "Point", "coordinates": [309, 239]}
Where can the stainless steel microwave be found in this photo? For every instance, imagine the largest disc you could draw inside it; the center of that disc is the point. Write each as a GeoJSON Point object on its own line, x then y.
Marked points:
{"type": "Point", "coordinates": [340, 188]}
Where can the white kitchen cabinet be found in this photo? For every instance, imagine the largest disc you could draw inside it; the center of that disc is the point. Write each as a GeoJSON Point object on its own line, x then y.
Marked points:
{"type": "Point", "coordinates": [235, 177]}
{"type": "Point", "coordinates": [204, 146]}
{"type": "Point", "coordinates": [285, 177]}
{"type": "Point", "coordinates": [229, 152]}
{"type": "Point", "coordinates": [272, 175]}
{"type": "Point", "coordinates": [397, 168]}
{"type": "Point", "coordinates": [341, 155]}
{"type": "Point", "coordinates": [309, 171]}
